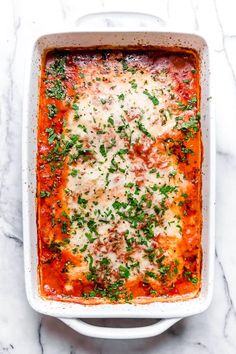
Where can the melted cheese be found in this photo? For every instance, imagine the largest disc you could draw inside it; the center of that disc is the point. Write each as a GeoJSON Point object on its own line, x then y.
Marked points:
{"type": "Point", "coordinates": [126, 106]}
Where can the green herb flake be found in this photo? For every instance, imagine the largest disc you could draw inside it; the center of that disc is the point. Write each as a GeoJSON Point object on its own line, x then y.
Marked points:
{"type": "Point", "coordinates": [75, 107]}
{"type": "Point", "coordinates": [194, 280]}
{"type": "Point", "coordinates": [151, 274]}
{"type": "Point", "coordinates": [83, 249]}
{"type": "Point", "coordinates": [83, 127]}
{"type": "Point", "coordinates": [118, 205]}
{"type": "Point", "coordinates": [44, 194]}
{"type": "Point", "coordinates": [74, 173]}
{"type": "Point", "coordinates": [122, 152]}
{"type": "Point", "coordinates": [133, 84]}
{"type": "Point", "coordinates": [57, 68]}
{"type": "Point", "coordinates": [184, 195]}
{"type": "Point", "coordinates": [164, 270]}
{"type": "Point", "coordinates": [172, 173]}
{"type": "Point", "coordinates": [52, 110]}
{"type": "Point", "coordinates": [81, 201]}
{"type": "Point", "coordinates": [103, 150]}
{"type": "Point", "coordinates": [64, 228]}
{"type": "Point", "coordinates": [56, 90]}
{"type": "Point", "coordinates": [90, 237]}
{"type": "Point", "coordinates": [74, 250]}
{"type": "Point", "coordinates": [103, 101]}
{"type": "Point", "coordinates": [129, 185]}
{"type": "Point", "coordinates": [151, 97]}
{"type": "Point", "coordinates": [193, 124]}
{"type": "Point", "coordinates": [105, 262]}
{"type": "Point", "coordinates": [186, 150]}
{"type": "Point", "coordinates": [111, 120]}
{"type": "Point", "coordinates": [121, 97]}
{"type": "Point", "coordinates": [124, 271]}
{"type": "Point", "coordinates": [166, 189]}
{"type": "Point", "coordinates": [144, 130]}
{"type": "Point", "coordinates": [51, 135]}
{"type": "Point", "coordinates": [127, 68]}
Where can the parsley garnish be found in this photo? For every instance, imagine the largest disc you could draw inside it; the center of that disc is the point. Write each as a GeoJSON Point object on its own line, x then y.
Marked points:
{"type": "Point", "coordinates": [164, 270]}
{"type": "Point", "coordinates": [56, 90]}
{"type": "Point", "coordinates": [151, 97]}
{"type": "Point", "coordinates": [144, 130]}
{"type": "Point", "coordinates": [193, 124]}
{"type": "Point", "coordinates": [90, 237]}
{"type": "Point", "coordinates": [58, 68]}
{"type": "Point", "coordinates": [121, 97]}
{"type": "Point", "coordinates": [103, 150]}
{"type": "Point", "coordinates": [167, 189]}
{"type": "Point", "coordinates": [81, 201]}
{"type": "Point", "coordinates": [103, 100]}
{"type": "Point", "coordinates": [105, 261]}
{"type": "Point", "coordinates": [51, 135]}
{"type": "Point", "coordinates": [127, 68]}
{"type": "Point", "coordinates": [74, 173]}
{"type": "Point", "coordinates": [111, 120]}
{"type": "Point", "coordinates": [52, 110]}
{"type": "Point", "coordinates": [133, 84]}
{"type": "Point", "coordinates": [124, 272]}
{"type": "Point", "coordinates": [45, 194]}
{"type": "Point", "coordinates": [75, 107]}
{"type": "Point", "coordinates": [151, 274]}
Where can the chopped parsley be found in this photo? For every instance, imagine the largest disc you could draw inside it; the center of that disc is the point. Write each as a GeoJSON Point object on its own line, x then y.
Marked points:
{"type": "Point", "coordinates": [81, 201]}
{"type": "Point", "coordinates": [151, 274]}
{"type": "Point", "coordinates": [57, 68]}
{"type": "Point", "coordinates": [103, 101]}
{"type": "Point", "coordinates": [121, 97]}
{"type": "Point", "coordinates": [90, 237]}
{"type": "Point", "coordinates": [55, 89]}
{"type": "Point", "coordinates": [111, 120]}
{"type": "Point", "coordinates": [75, 107]}
{"type": "Point", "coordinates": [51, 135]}
{"type": "Point", "coordinates": [126, 67]}
{"type": "Point", "coordinates": [166, 189]}
{"type": "Point", "coordinates": [144, 130]}
{"type": "Point", "coordinates": [103, 150]}
{"type": "Point", "coordinates": [133, 84]}
{"type": "Point", "coordinates": [124, 271]}
{"type": "Point", "coordinates": [151, 97]}
{"type": "Point", "coordinates": [193, 124]}
{"type": "Point", "coordinates": [74, 173]}
{"type": "Point", "coordinates": [105, 261]}
{"type": "Point", "coordinates": [44, 194]}
{"type": "Point", "coordinates": [52, 110]}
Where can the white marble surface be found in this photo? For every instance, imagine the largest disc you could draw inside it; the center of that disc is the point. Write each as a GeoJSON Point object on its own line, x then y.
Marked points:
{"type": "Point", "coordinates": [23, 331]}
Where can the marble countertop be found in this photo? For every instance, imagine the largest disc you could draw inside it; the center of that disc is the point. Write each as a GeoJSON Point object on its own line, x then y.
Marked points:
{"type": "Point", "coordinates": [23, 331]}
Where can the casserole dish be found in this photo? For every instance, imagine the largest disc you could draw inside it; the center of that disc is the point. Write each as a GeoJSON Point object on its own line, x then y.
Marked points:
{"type": "Point", "coordinates": [171, 311]}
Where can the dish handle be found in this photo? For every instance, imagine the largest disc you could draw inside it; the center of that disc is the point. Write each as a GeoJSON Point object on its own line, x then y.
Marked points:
{"type": "Point", "coordinates": [120, 333]}
{"type": "Point", "coordinates": [119, 19]}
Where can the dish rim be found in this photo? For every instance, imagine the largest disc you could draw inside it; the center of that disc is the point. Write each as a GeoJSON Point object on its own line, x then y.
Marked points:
{"type": "Point", "coordinates": [62, 309]}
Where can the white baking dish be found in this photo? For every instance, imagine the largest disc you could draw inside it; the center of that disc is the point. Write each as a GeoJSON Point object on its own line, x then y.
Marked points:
{"type": "Point", "coordinates": [172, 312]}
